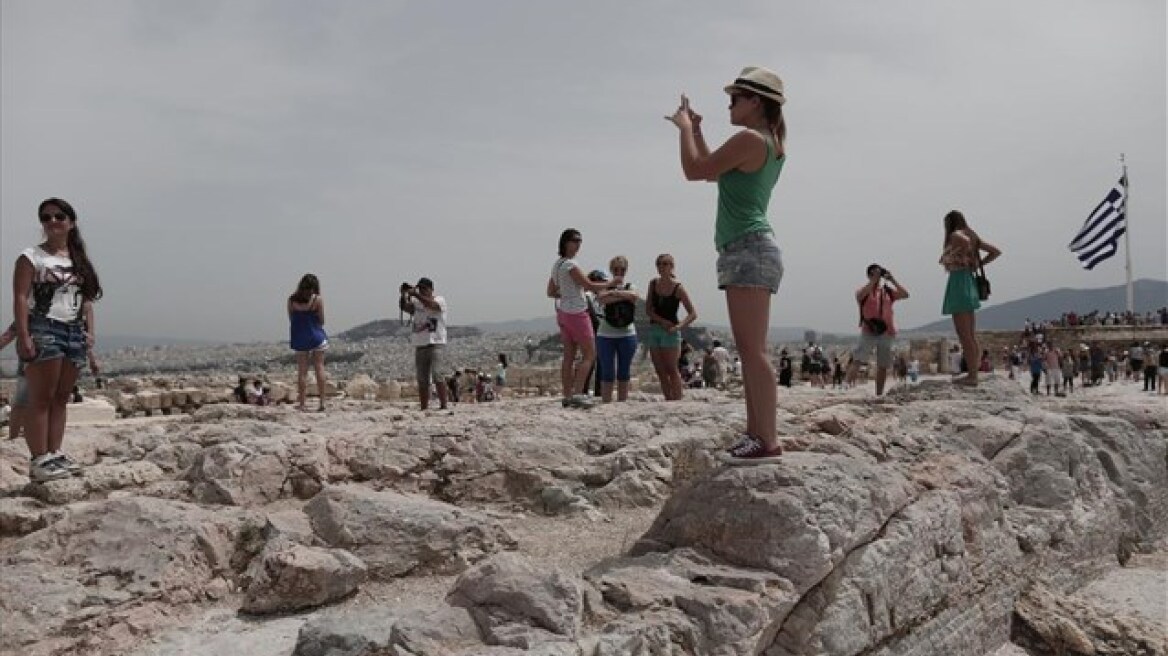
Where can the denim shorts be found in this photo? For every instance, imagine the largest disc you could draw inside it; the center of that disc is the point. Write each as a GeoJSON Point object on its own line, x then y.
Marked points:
{"type": "Point", "coordinates": [753, 260]}
{"type": "Point", "coordinates": [57, 339]}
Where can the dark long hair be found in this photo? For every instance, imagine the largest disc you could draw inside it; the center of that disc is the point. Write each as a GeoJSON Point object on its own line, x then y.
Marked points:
{"type": "Point", "coordinates": [308, 286]}
{"type": "Point", "coordinates": [82, 266]}
{"type": "Point", "coordinates": [503, 360]}
{"type": "Point", "coordinates": [955, 221]}
{"type": "Point", "coordinates": [565, 237]}
{"type": "Point", "coordinates": [773, 112]}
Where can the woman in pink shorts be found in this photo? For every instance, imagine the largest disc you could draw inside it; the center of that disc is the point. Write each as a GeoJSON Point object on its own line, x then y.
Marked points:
{"type": "Point", "coordinates": [567, 284]}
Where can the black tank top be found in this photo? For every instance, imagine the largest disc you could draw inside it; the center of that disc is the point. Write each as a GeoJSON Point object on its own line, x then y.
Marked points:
{"type": "Point", "coordinates": [666, 306]}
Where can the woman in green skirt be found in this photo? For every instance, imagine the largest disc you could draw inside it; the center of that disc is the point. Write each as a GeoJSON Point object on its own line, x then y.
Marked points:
{"type": "Point", "coordinates": [962, 250]}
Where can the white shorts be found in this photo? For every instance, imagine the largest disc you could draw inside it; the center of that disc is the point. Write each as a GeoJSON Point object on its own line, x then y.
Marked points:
{"type": "Point", "coordinates": [1054, 377]}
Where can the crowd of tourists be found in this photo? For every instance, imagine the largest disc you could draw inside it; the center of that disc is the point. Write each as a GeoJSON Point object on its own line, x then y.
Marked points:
{"type": "Point", "coordinates": [55, 288]}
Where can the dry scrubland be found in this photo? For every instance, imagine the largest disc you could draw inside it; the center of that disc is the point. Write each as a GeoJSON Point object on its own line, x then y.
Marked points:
{"type": "Point", "coordinates": [937, 520]}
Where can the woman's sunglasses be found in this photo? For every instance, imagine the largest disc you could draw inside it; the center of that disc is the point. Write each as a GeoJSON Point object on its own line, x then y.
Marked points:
{"type": "Point", "coordinates": [54, 216]}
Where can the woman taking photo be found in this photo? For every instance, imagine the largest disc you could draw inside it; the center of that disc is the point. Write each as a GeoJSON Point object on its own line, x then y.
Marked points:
{"type": "Point", "coordinates": [306, 316]}
{"type": "Point", "coordinates": [53, 289]}
{"type": "Point", "coordinates": [665, 296]}
{"type": "Point", "coordinates": [567, 285]}
{"type": "Point", "coordinates": [961, 256]}
{"type": "Point", "coordinates": [750, 265]}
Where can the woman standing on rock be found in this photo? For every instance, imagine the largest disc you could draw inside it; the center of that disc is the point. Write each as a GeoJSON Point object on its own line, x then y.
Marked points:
{"type": "Point", "coordinates": [53, 289]}
{"type": "Point", "coordinates": [616, 335]}
{"type": "Point", "coordinates": [664, 297]}
{"type": "Point", "coordinates": [750, 265]}
{"type": "Point", "coordinates": [960, 257]}
{"type": "Point", "coordinates": [308, 339]}
{"type": "Point", "coordinates": [567, 285]}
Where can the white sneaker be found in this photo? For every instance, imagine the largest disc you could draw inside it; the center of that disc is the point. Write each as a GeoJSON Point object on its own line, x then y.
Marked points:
{"type": "Point", "coordinates": [70, 465]}
{"type": "Point", "coordinates": [46, 468]}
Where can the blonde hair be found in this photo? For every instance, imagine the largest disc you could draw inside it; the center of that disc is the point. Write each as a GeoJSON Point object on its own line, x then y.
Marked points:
{"type": "Point", "coordinates": [618, 261]}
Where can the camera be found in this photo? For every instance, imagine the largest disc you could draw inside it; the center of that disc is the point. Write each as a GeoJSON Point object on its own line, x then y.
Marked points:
{"type": "Point", "coordinates": [885, 273]}
{"type": "Point", "coordinates": [405, 288]}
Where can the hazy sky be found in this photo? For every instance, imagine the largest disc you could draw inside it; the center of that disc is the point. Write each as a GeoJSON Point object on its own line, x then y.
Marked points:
{"type": "Point", "coordinates": [216, 151]}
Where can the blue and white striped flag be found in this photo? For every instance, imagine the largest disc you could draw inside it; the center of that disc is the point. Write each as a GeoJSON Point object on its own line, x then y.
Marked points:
{"type": "Point", "coordinates": [1098, 239]}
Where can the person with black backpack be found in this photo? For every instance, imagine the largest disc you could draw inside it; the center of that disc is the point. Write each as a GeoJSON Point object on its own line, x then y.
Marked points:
{"type": "Point", "coordinates": [616, 336]}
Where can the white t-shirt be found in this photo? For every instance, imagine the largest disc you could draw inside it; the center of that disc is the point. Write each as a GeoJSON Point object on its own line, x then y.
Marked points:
{"type": "Point", "coordinates": [429, 326]}
{"type": "Point", "coordinates": [722, 356]}
{"type": "Point", "coordinates": [56, 288]}
{"type": "Point", "coordinates": [571, 299]}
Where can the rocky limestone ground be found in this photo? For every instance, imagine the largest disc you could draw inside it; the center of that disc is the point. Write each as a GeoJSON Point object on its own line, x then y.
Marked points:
{"type": "Point", "coordinates": [937, 520]}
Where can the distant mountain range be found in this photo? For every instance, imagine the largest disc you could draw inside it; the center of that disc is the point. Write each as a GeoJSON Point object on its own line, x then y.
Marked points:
{"type": "Point", "coordinates": [1149, 295]}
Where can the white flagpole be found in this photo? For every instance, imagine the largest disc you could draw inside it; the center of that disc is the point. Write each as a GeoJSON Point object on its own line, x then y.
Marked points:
{"type": "Point", "coordinates": [1127, 238]}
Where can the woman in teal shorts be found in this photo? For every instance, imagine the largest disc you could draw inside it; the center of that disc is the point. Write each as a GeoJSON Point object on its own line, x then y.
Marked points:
{"type": "Point", "coordinates": [665, 296]}
{"type": "Point", "coordinates": [962, 248]}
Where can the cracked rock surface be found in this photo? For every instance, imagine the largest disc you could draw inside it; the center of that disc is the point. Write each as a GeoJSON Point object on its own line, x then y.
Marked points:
{"type": "Point", "coordinates": [934, 520]}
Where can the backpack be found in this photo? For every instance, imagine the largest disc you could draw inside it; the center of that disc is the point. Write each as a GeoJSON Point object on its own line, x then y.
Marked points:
{"type": "Point", "coordinates": [620, 314]}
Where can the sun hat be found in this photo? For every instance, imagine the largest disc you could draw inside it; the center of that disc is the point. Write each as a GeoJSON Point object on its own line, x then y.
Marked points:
{"type": "Point", "coordinates": [759, 81]}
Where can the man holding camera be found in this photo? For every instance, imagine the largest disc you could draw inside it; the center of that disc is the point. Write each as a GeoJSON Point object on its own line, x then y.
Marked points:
{"type": "Point", "coordinates": [877, 329]}
{"type": "Point", "coordinates": [428, 312]}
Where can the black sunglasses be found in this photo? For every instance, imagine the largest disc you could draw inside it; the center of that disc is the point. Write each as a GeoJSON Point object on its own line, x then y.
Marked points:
{"type": "Point", "coordinates": [54, 216]}
{"type": "Point", "coordinates": [735, 97]}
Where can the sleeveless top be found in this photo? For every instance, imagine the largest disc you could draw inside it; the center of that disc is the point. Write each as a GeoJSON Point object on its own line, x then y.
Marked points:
{"type": "Point", "coordinates": [665, 306]}
{"type": "Point", "coordinates": [56, 288]}
{"type": "Point", "coordinates": [307, 333]}
{"type": "Point", "coordinates": [956, 257]}
{"type": "Point", "coordinates": [743, 199]}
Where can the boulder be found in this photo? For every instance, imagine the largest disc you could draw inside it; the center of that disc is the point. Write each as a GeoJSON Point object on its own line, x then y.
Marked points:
{"type": "Point", "coordinates": [119, 553]}
{"type": "Point", "coordinates": [399, 534]}
{"type": "Point", "coordinates": [518, 604]}
{"type": "Point", "coordinates": [289, 577]}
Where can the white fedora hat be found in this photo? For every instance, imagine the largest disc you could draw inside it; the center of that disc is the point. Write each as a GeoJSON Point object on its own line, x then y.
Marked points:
{"type": "Point", "coordinates": [759, 81]}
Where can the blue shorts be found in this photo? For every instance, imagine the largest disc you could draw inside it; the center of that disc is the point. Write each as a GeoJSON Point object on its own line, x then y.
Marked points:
{"type": "Point", "coordinates": [753, 260]}
{"type": "Point", "coordinates": [57, 339]}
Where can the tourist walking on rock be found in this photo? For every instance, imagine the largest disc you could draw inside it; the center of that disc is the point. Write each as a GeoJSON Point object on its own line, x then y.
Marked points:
{"type": "Point", "coordinates": [308, 338]}
{"type": "Point", "coordinates": [567, 284]}
{"type": "Point", "coordinates": [785, 368]}
{"type": "Point", "coordinates": [501, 375]}
{"type": "Point", "coordinates": [53, 287]}
{"type": "Point", "coordinates": [665, 296]}
{"type": "Point", "coordinates": [428, 335]}
{"type": "Point", "coordinates": [961, 257]}
{"type": "Point", "coordinates": [20, 394]}
{"type": "Point", "coordinates": [750, 265]}
{"type": "Point", "coordinates": [877, 329]}
{"type": "Point", "coordinates": [1162, 369]}
{"type": "Point", "coordinates": [1054, 369]}
{"type": "Point", "coordinates": [616, 336]}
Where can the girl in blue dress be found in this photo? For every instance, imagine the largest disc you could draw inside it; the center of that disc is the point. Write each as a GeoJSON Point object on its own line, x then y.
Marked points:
{"type": "Point", "coordinates": [306, 316]}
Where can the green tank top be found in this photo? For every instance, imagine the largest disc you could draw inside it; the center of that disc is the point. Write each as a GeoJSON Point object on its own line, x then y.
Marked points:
{"type": "Point", "coordinates": [743, 199]}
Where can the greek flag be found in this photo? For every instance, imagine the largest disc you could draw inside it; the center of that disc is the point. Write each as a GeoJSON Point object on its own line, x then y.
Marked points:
{"type": "Point", "coordinates": [1098, 239]}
